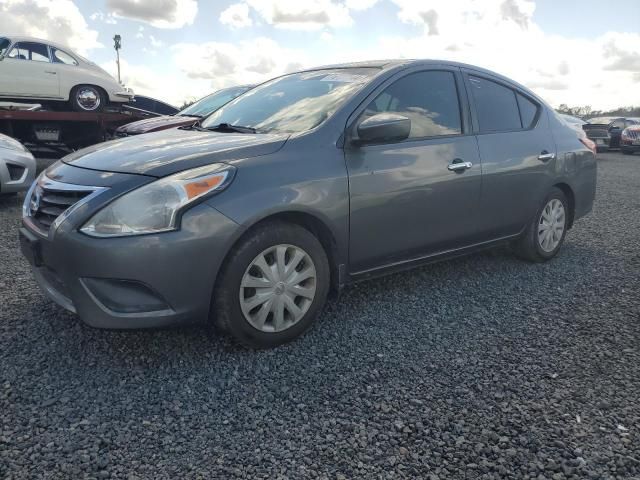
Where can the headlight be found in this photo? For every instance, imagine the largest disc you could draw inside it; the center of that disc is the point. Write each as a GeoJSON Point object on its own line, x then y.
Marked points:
{"type": "Point", "coordinates": [11, 144]}
{"type": "Point", "coordinates": [154, 207]}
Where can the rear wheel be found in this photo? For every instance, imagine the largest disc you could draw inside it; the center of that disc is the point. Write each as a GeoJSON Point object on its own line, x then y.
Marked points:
{"type": "Point", "coordinates": [546, 232]}
{"type": "Point", "coordinates": [87, 98]}
{"type": "Point", "coordinates": [273, 286]}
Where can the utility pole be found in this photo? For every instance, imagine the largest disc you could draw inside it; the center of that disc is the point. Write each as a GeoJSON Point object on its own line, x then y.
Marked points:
{"type": "Point", "coordinates": [118, 45]}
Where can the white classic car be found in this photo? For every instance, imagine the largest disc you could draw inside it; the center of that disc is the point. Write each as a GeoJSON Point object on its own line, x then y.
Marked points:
{"type": "Point", "coordinates": [41, 70]}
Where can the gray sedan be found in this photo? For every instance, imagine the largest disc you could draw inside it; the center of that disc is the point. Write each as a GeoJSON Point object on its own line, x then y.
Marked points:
{"type": "Point", "coordinates": [17, 166]}
{"type": "Point", "coordinates": [306, 183]}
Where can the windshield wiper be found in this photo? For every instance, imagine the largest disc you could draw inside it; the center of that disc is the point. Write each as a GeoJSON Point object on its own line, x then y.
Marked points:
{"type": "Point", "coordinates": [188, 115]}
{"type": "Point", "coordinates": [226, 127]}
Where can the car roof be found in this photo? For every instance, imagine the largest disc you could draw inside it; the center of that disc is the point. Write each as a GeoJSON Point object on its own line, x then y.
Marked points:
{"type": "Point", "coordinates": [24, 38]}
{"type": "Point", "coordinates": [406, 63]}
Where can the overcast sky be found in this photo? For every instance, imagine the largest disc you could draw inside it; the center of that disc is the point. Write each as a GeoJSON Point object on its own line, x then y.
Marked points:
{"type": "Point", "coordinates": [579, 52]}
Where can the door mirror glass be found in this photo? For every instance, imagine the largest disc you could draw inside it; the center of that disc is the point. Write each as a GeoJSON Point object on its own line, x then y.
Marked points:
{"type": "Point", "coordinates": [384, 128]}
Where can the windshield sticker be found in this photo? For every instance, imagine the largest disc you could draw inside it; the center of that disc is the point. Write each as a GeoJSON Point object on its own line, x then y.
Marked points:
{"type": "Point", "coordinates": [344, 78]}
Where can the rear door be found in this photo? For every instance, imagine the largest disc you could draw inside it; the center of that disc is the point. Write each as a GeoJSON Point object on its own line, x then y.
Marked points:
{"type": "Point", "coordinates": [405, 202]}
{"type": "Point", "coordinates": [31, 73]}
{"type": "Point", "coordinates": [517, 150]}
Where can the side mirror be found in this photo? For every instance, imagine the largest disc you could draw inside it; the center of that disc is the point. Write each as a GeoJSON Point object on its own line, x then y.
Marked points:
{"type": "Point", "coordinates": [383, 127]}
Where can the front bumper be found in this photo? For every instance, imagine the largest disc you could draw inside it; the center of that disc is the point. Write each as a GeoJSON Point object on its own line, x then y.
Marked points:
{"type": "Point", "coordinates": [17, 171]}
{"type": "Point", "coordinates": [132, 282]}
{"type": "Point", "coordinates": [123, 95]}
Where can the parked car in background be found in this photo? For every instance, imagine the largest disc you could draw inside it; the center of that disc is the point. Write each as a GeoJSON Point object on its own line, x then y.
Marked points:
{"type": "Point", "coordinates": [148, 104]}
{"type": "Point", "coordinates": [17, 166]}
{"type": "Point", "coordinates": [630, 139]}
{"type": "Point", "coordinates": [187, 117]}
{"type": "Point", "coordinates": [310, 181]}
{"type": "Point", "coordinates": [41, 70]}
{"type": "Point", "coordinates": [606, 131]}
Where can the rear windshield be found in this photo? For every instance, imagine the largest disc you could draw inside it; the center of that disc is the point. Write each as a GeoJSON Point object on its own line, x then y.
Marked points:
{"type": "Point", "coordinates": [601, 120]}
{"type": "Point", "coordinates": [293, 103]}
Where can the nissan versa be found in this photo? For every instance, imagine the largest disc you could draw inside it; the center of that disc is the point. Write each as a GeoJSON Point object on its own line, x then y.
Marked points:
{"type": "Point", "coordinates": [306, 183]}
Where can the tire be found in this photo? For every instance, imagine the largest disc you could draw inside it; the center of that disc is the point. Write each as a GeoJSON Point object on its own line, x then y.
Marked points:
{"type": "Point", "coordinates": [87, 98]}
{"type": "Point", "coordinates": [231, 300]}
{"type": "Point", "coordinates": [529, 246]}
{"type": "Point", "coordinates": [627, 152]}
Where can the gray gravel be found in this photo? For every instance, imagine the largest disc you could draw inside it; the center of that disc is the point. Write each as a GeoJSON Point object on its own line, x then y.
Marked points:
{"type": "Point", "coordinates": [482, 367]}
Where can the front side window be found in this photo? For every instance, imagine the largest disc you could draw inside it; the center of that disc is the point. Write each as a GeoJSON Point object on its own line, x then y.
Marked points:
{"type": "Point", "coordinates": [429, 99]}
{"type": "Point", "coordinates": [36, 52]}
{"type": "Point", "coordinates": [293, 103]}
{"type": "Point", "coordinates": [496, 106]}
{"type": "Point", "coordinates": [4, 45]}
{"type": "Point", "coordinates": [60, 56]}
{"type": "Point", "coordinates": [213, 102]}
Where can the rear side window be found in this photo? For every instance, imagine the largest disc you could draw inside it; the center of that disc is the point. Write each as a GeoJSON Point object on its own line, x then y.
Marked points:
{"type": "Point", "coordinates": [60, 56]}
{"type": "Point", "coordinates": [528, 111]}
{"type": "Point", "coordinates": [429, 99]}
{"type": "Point", "coordinates": [496, 106]}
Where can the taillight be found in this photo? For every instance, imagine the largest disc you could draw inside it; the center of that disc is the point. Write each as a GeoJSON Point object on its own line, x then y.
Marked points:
{"type": "Point", "coordinates": [590, 144]}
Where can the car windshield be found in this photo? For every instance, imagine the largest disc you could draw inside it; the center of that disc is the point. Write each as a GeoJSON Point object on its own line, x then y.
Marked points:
{"type": "Point", "coordinates": [293, 103]}
{"type": "Point", "coordinates": [211, 103]}
{"type": "Point", "coordinates": [4, 45]}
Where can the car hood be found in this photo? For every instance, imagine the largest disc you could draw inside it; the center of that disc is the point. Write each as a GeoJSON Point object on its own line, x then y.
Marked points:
{"type": "Point", "coordinates": [156, 123]}
{"type": "Point", "coordinates": [170, 151]}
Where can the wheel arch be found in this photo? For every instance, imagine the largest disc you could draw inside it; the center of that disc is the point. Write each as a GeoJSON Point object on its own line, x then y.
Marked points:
{"type": "Point", "coordinates": [104, 92]}
{"type": "Point", "coordinates": [571, 198]}
{"type": "Point", "coordinates": [312, 223]}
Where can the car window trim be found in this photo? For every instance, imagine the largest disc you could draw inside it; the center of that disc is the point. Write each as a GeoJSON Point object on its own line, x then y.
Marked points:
{"type": "Point", "coordinates": [473, 107]}
{"type": "Point", "coordinates": [463, 105]}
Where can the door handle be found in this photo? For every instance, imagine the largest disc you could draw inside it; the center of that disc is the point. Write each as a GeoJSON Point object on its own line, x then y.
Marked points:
{"type": "Point", "coordinates": [458, 165]}
{"type": "Point", "coordinates": [546, 156]}
{"type": "Point", "coordinates": [49, 71]}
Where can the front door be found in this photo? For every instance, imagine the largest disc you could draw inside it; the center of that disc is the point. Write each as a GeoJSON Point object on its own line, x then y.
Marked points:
{"type": "Point", "coordinates": [406, 199]}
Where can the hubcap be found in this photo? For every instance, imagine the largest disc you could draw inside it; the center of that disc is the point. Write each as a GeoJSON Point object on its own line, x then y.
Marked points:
{"type": "Point", "coordinates": [278, 288]}
{"type": "Point", "coordinates": [88, 98]}
{"type": "Point", "coordinates": [551, 225]}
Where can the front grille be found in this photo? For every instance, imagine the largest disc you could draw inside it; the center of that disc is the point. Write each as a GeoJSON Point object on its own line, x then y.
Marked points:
{"type": "Point", "coordinates": [633, 134]}
{"type": "Point", "coordinates": [49, 199]}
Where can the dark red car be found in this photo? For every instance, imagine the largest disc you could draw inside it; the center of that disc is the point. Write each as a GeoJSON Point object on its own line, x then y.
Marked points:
{"type": "Point", "coordinates": [190, 115]}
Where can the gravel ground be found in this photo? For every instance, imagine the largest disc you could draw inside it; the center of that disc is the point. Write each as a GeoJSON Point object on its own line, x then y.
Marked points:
{"type": "Point", "coordinates": [526, 371]}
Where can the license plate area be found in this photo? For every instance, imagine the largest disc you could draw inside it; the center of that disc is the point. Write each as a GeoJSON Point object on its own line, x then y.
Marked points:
{"type": "Point", "coordinates": [30, 246]}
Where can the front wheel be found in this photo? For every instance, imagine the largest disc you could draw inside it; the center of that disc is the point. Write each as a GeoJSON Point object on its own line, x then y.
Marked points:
{"type": "Point", "coordinates": [546, 233]}
{"type": "Point", "coordinates": [273, 286]}
{"type": "Point", "coordinates": [87, 98]}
